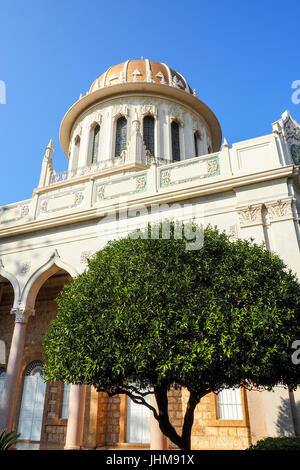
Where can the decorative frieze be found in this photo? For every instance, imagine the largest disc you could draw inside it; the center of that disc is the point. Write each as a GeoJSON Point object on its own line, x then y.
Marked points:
{"type": "Point", "coordinates": [190, 171]}
{"type": "Point", "coordinates": [63, 201]}
{"type": "Point", "coordinates": [120, 187]}
{"type": "Point", "coordinates": [13, 213]}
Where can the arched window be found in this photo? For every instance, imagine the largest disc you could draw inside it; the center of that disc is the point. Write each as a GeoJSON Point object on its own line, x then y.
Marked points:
{"type": "Point", "coordinates": [148, 133]}
{"type": "Point", "coordinates": [175, 141]}
{"type": "Point", "coordinates": [32, 406]}
{"type": "Point", "coordinates": [76, 152]}
{"type": "Point", "coordinates": [121, 136]}
{"type": "Point", "coordinates": [95, 143]}
{"type": "Point", "coordinates": [196, 144]}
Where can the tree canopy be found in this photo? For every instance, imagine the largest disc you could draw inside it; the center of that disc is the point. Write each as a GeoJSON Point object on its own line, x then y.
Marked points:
{"type": "Point", "coordinates": [149, 314]}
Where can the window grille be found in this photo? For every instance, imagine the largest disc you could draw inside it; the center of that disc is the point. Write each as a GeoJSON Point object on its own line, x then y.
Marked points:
{"type": "Point", "coordinates": [175, 141]}
{"type": "Point", "coordinates": [121, 136]}
{"type": "Point", "coordinates": [196, 144]}
{"type": "Point", "coordinates": [34, 368]}
{"type": "Point", "coordinates": [96, 133]}
{"type": "Point", "coordinates": [148, 133]}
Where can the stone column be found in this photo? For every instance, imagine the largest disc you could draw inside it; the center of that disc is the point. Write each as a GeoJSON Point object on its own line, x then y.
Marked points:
{"type": "Point", "coordinates": [256, 414]}
{"type": "Point", "coordinates": [12, 379]}
{"type": "Point", "coordinates": [158, 441]}
{"type": "Point", "coordinates": [74, 435]}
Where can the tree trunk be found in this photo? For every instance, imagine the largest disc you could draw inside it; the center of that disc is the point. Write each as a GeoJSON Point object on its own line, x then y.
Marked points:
{"type": "Point", "coordinates": [183, 441]}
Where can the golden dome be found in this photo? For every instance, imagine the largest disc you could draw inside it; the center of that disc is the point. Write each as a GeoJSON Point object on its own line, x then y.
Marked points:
{"type": "Point", "coordinates": [142, 70]}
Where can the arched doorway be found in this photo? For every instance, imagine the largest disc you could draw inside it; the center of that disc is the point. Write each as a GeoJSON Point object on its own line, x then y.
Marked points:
{"type": "Point", "coordinates": [36, 404]}
{"type": "Point", "coordinates": [32, 406]}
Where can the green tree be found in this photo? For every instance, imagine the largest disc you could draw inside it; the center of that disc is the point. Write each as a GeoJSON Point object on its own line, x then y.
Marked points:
{"type": "Point", "coordinates": [151, 315]}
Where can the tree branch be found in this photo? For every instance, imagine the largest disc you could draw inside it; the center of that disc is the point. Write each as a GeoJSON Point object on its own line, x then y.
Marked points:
{"type": "Point", "coordinates": [136, 399]}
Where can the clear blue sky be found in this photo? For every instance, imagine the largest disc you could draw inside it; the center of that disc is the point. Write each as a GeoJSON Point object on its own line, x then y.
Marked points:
{"type": "Point", "coordinates": [242, 58]}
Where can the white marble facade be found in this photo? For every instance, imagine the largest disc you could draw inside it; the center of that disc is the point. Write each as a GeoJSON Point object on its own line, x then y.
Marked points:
{"type": "Point", "coordinates": [250, 189]}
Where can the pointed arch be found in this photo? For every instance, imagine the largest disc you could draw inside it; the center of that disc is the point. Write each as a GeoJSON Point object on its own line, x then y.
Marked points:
{"type": "Point", "coordinates": [40, 276]}
{"type": "Point", "coordinates": [121, 135]}
{"type": "Point", "coordinates": [76, 151]}
{"type": "Point", "coordinates": [197, 142]}
{"type": "Point", "coordinates": [175, 140]}
{"type": "Point", "coordinates": [148, 133]}
{"type": "Point", "coordinates": [13, 280]}
{"type": "Point", "coordinates": [94, 138]}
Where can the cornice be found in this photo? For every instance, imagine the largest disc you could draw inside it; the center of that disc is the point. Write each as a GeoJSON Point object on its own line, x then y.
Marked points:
{"type": "Point", "coordinates": [164, 196]}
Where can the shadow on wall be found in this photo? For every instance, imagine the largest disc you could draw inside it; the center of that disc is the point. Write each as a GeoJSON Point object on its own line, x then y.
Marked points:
{"type": "Point", "coordinates": [288, 419]}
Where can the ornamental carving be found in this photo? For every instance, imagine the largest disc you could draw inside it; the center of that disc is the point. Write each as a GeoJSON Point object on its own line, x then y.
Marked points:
{"type": "Point", "coordinates": [196, 127]}
{"type": "Point", "coordinates": [120, 110]}
{"type": "Point", "coordinates": [100, 192]}
{"type": "Point", "coordinates": [22, 314]}
{"type": "Point", "coordinates": [78, 198]}
{"type": "Point", "coordinates": [44, 206]}
{"type": "Point", "coordinates": [176, 114]}
{"type": "Point", "coordinates": [84, 257]}
{"type": "Point", "coordinates": [291, 129]}
{"type": "Point", "coordinates": [161, 77]}
{"type": "Point", "coordinates": [95, 117]}
{"type": "Point", "coordinates": [177, 83]}
{"type": "Point", "coordinates": [24, 211]}
{"type": "Point", "coordinates": [165, 178]}
{"type": "Point", "coordinates": [149, 108]}
{"type": "Point", "coordinates": [250, 215]}
{"type": "Point", "coordinates": [25, 267]}
{"type": "Point", "coordinates": [279, 209]}
{"type": "Point", "coordinates": [295, 153]}
{"type": "Point", "coordinates": [233, 232]}
{"type": "Point", "coordinates": [150, 158]}
{"type": "Point", "coordinates": [212, 167]}
{"type": "Point", "coordinates": [141, 183]}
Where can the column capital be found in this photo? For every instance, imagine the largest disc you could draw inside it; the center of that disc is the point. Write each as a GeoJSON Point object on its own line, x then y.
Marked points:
{"type": "Point", "coordinates": [280, 209]}
{"type": "Point", "coordinates": [250, 214]}
{"type": "Point", "coordinates": [22, 314]}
